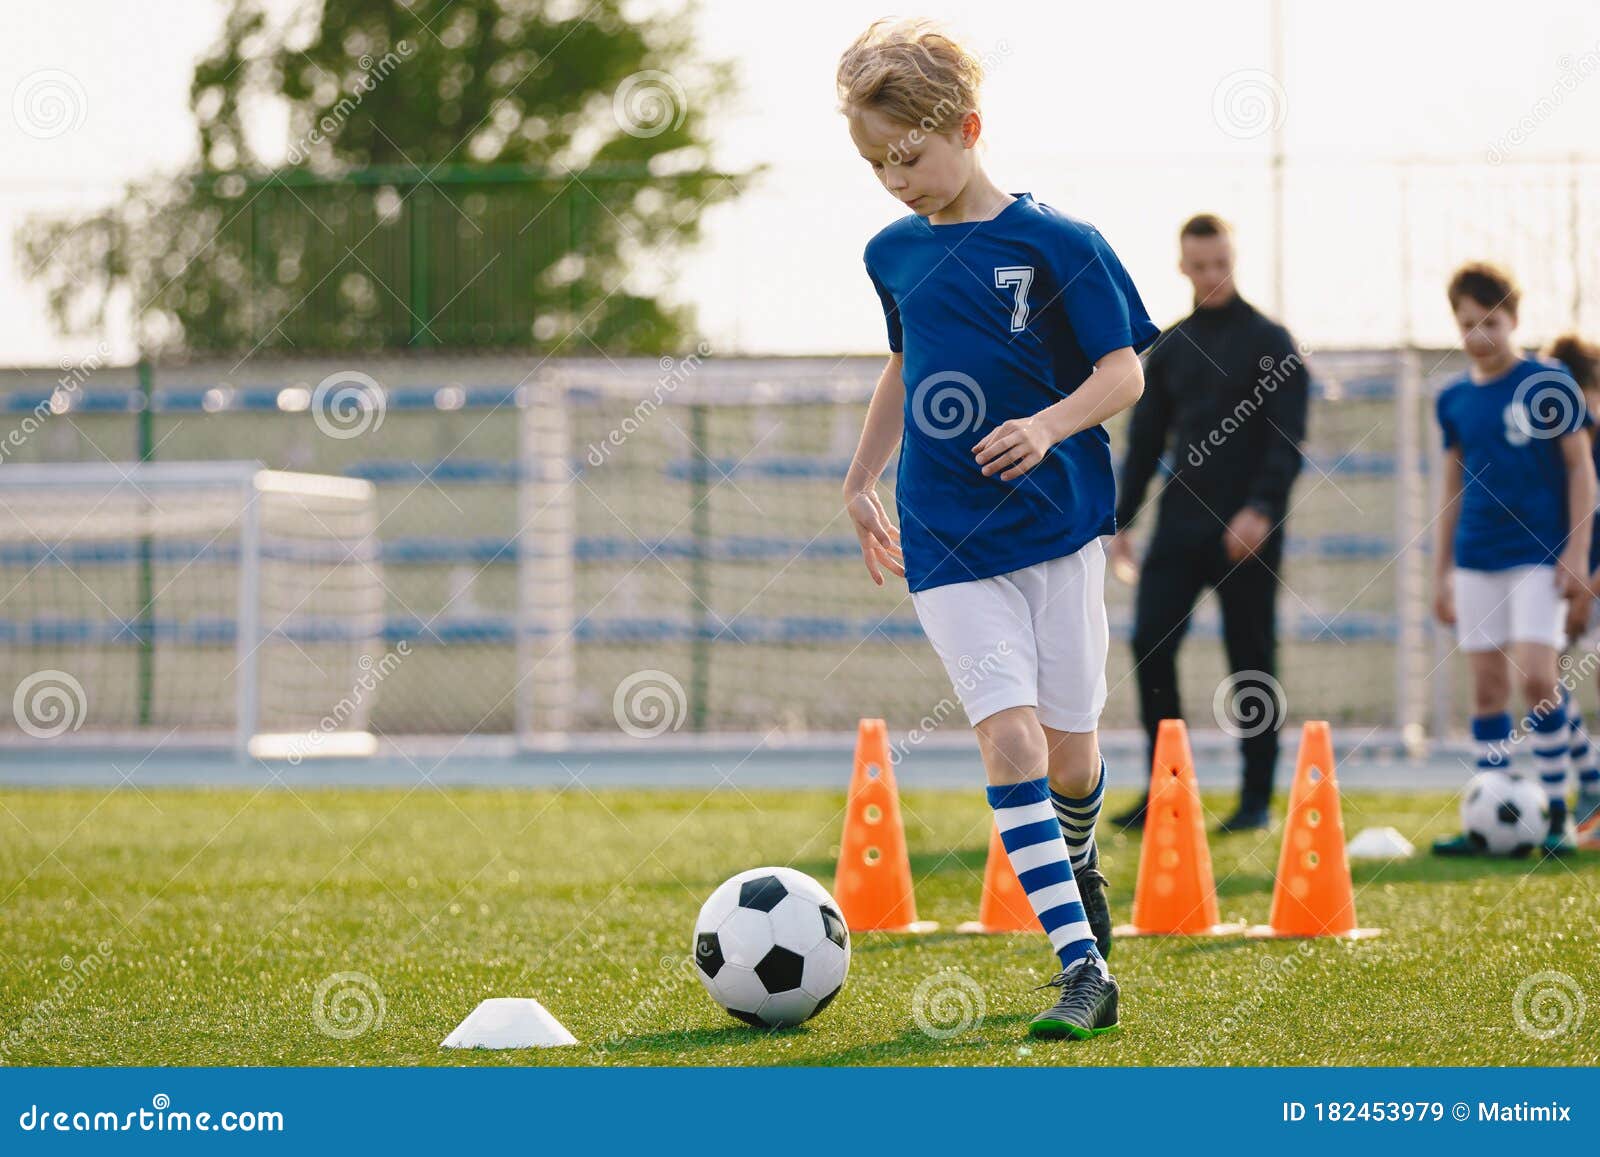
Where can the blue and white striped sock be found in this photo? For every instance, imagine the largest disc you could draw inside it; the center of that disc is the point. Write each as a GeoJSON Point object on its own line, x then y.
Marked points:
{"type": "Point", "coordinates": [1583, 766]}
{"type": "Point", "coordinates": [1551, 751]}
{"type": "Point", "coordinates": [1492, 733]}
{"type": "Point", "coordinates": [1032, 838]}
{"type": "Point", "coordinates": [1077, 818]}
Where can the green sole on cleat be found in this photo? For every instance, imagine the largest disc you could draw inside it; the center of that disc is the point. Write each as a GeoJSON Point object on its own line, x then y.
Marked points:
{"type": "Point", "coordinates": [1060, 1029]}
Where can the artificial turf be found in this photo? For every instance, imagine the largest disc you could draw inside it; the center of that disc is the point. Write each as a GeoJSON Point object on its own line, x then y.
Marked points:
{"type": "Point", "coordinates": [194, 927]}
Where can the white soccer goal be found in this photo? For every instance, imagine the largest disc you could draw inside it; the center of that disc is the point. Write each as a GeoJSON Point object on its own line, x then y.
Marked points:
{"type": "Point", "coordinates": [189, 604]}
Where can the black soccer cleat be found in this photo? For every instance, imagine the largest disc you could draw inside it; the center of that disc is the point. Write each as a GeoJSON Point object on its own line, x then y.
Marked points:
{"type": "Point", "coordinates": [1086, 1008]}
{"type": "Point", "coordinates": [1092, 891]}
{"type": "Point", "coordinates": [1462, 844]}
{"type": "Point", "coordinates": [1560, 841]}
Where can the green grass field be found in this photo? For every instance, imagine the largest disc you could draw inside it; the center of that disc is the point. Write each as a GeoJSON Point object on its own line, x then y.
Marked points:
{"type": "Point", "coordinates": [194, 927]}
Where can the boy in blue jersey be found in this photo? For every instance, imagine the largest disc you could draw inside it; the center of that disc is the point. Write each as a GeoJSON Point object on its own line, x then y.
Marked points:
{"type": "Point", "coordinates": [1013, 332]}
{"type": "Point", "coordinates": [1514, 529]}
{"type": "Point", "coordinates": [1582, 360]}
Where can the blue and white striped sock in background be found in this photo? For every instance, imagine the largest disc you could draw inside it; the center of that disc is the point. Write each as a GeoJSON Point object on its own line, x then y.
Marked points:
{"type": "Point", "coordinates": [1551, 752]}
{"type": "Point", "coordinates": [1492, 733]}
{"type": "Point", "coordinates": [1077, 818]}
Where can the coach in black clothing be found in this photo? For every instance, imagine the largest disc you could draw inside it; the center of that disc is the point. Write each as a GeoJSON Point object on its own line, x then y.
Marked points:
{"type": "Point", "coordinates": [1225, 392]}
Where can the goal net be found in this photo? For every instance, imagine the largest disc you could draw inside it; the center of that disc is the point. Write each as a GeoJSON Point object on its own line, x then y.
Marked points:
{"type": "Point", "coordinates": [190, 603]}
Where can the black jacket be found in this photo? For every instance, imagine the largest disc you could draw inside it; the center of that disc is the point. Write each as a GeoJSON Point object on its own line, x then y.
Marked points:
{"type": "Point", "coordinates": [1225, 391]}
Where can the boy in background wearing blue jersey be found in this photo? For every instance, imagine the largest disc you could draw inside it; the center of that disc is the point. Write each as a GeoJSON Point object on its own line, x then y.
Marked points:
{"type": "Point", "coordinates": [1582, 360]}
{"type": "Point", "coordinates": [1013, 332]}
{"type": "Point", "coordinates": [1514, 529]}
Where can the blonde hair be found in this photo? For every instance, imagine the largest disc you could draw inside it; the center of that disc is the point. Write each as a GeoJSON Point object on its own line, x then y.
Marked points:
{"type": "Point", "coordinates": [913, 72]}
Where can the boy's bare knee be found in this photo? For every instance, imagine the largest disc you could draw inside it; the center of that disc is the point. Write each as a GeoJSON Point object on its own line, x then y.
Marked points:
{"type": "Point", "coordinates": [1491, 689]}
{"type": "Point", "coordinates": [1075, 781]}
{"type": "Point", "coordinates": [1074, 762]}
{"type": "Point", "coordinates": [1540, 693]}
{"type": "Point", "coordinates": [1012, 744]}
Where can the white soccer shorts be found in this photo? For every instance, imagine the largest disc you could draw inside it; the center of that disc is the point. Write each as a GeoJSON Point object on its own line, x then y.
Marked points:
{"type": "Point", "coordinates": [1033, 637]}
{"type": "Point", "coordinates": [1521, 604]}
{"type": "Point", "coordinates": [1589, 641]}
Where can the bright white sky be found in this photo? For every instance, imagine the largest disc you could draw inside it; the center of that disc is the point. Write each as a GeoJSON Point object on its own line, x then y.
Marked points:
{"type": "Point", "coordinates": [1104, 110]}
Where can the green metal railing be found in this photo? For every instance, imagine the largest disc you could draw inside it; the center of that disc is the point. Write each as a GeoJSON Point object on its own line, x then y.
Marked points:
{"type": "Point", "coordinates": [395, 257]}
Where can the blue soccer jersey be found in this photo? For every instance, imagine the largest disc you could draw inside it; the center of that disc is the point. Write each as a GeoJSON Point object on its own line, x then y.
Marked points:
{"type": "Point", "coordinates": [999, 319]}
{"type": "Point", "coordinates": [1514, 487]}
{"type": "Point", "coordinates": [1594, 456]}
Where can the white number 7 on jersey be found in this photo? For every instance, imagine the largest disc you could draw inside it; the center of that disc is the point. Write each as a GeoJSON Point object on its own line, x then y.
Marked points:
{"type": "Point", "coordinates": [1020, 277]}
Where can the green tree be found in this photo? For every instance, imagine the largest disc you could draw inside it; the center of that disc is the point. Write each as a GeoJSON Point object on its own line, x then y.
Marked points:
{"type": "Point", "coordinates": [458, 173]}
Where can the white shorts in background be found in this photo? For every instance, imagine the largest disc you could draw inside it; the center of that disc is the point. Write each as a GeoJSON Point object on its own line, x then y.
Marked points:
{"type": "Point", "coordinates": [1589, 641]}
{"type": "Point", "coordinates": [1034, 637]}
{"type": "Point", "coordinates": [1495, 608]}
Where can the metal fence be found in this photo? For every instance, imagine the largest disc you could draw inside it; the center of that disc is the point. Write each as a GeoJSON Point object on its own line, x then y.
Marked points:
{"type": "Point", "coordinates": [711, 545]}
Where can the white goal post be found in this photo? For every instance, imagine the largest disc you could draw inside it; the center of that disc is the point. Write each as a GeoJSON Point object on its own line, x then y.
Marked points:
{"type": "Point", "coordinates": [188, 604]}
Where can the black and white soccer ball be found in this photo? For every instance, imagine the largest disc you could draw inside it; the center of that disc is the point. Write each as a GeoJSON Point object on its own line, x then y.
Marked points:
{"type": "Point", "coordinates": [1505, 816]}
{"type": "Point", "coordinates": [772, 947]}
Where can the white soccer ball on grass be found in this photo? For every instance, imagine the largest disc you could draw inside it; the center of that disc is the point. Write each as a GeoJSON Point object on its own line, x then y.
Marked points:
{"type": "Point", "coordinates": [1509, 817]}
{"type": "Point", "coordinates": [771, 947]}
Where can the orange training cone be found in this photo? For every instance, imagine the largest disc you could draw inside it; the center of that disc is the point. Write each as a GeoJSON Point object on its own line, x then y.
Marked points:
{"type": "Point", "coordinates": [1176, 894]}
{"type": "Point", "coordinates": [1004, 906]}
{"type": "Point", "coordinates": [1313, 896]}
{"type": "Point", "coordinates": [873, 884]}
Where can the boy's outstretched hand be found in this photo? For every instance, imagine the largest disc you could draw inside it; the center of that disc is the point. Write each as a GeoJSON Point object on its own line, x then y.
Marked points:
{"type": "Point", "coordinates": [880, 539]}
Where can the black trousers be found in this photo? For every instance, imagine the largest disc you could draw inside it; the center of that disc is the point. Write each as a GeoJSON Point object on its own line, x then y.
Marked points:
{"type": "Point", "coordinates": [1176, 570]}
